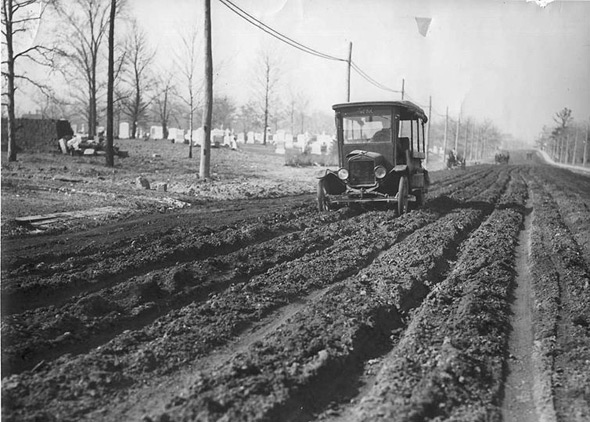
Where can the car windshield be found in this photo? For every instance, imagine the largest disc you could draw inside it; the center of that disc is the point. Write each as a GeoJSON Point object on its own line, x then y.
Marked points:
{"type": "Point", "coordinates": [364, 127]}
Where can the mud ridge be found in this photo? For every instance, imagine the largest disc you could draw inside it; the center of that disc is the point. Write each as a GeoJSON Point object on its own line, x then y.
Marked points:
{"type": "Point", "coordinates": [73, 283]}
{"type": "Point", "coordinates": [561, 354]}
{"type": "Point", "coordinates": [411, 293]}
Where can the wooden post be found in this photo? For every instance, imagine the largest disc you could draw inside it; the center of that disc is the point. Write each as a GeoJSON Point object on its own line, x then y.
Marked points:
{"type": "Point", "coordinates": [586, 147]}
{"type": "Point", "coordinates": [349, 65]}
{"type": "Point", "coordinates": [471, 155]}
{"type": "Point", "coordinates": [429, 123]}
{"type": "Point", "coordinates": [465, 146]}
{"type": "Point", "coordinates": [446, 133]}
{"type": "Point", "coordinates": [403, 88]}
{"type": "Point", "coordinates": [205, 164]}
{"type": "Point", "coordinates": [110, 154]}
{"type": "Point", "coordinates": [457, 134]}
{"type": "Point", "coordinates": [575, 148]}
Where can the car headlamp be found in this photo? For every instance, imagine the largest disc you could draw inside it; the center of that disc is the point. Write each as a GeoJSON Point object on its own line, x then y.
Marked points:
{"type": "Point", "coordinates": [343, 174]}
{"type": "Point", "coordinates": [380, 172]}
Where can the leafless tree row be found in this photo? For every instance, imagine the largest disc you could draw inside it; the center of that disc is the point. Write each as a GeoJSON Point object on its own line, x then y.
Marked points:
{"type": "Point", "coordinates": [567, 140]}
{"type": "Point", "coordinates": [73, 85]}
{"type": "Point", "coordinates": [469, 138]}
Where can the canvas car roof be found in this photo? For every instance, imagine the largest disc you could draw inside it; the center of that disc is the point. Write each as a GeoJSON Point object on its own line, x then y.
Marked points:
{"type": "Point", "coordinates": [408, 109]}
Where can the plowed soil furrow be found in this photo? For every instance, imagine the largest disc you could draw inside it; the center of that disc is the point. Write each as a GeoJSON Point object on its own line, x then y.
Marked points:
{"type": "Point", "coordinates": [404, 266]}
{"type": "Point", "coordinates": [44, 284]}
{"type": "Point", "coordinates": [463, 180]}
{"type": "Point", "coordinates": [574, 207]}
{"type": "Point", "coordinates": [268, 310]}
{"type": "Point", "coordinates": [562, 334]}
{"type": "Point", "coordinates": [457, 335]}
{"type": "Point", "coordinates": [196, 329]}
{"type": "Point", "coordinates": [460, 178]}
{"type": "Point", "coordinates": [140, 300]}
{"type": "Point", "coordinates": [230, 325]}
{"type": "Point", "coordinates": [326, 337]}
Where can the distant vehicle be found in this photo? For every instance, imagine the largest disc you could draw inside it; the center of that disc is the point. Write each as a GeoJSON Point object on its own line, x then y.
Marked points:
{"type": "Point", "coordinates": [381, 146]}
{"type": "Point", "coordinates": [502, 157]}
{"type": "Point", "coordinates": [455, 160]}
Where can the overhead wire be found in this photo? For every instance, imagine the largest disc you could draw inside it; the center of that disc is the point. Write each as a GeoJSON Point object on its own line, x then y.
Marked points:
{"type": "Point", "coordinates": [371, 80]}
{"type": "Point", "coordinates": [281, 37]}
{"type": "Point", "coordinates": [251, 19]}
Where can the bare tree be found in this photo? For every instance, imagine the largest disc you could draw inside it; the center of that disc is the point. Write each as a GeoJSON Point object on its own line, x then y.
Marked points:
{"type": "Point", "coordinates": [266, 84]}
{"type": "Point", "coordinates": [163, 104]}
{"type": "Point", "coordinates": [88, 22]}
{"type": "Point", "coordinates": [110, 156]}
{"type": "Point", "coordinates": [136, 76]}
{"type": "Point", "coordinates": [18, 18]}
{"type": "Point", "coordinates": [223, 112]}
{"type": "Point", "coordinates": [249, 117]}
{"type": "Point", "coordinates": [296, 106]}
{"type": "Point", "coordinates": [560, 134]}
{"type": "Point", "coordinates": [187, 62]}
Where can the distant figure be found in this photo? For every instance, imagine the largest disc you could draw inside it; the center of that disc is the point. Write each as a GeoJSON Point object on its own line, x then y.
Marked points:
{"type": "Point", "coordinates": [502, 158]}
{"type": "Point", "coordinates": [451, 159]}
{"type": "Point", "coordinates": [382, 135]}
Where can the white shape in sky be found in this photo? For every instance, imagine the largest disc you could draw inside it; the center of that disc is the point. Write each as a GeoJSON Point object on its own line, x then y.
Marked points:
{"type": "Point", "coordinates": [542, 3]}
{"type": "Point", "coordinates": [423, 25]}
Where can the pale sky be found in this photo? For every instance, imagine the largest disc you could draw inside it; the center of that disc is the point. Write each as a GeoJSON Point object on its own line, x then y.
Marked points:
{"type": "Point", "coordinates": [511, 61]}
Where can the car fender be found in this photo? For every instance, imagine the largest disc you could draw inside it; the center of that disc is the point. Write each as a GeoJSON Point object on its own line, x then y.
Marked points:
{"type": "Point", "coordinates": [332, 183]}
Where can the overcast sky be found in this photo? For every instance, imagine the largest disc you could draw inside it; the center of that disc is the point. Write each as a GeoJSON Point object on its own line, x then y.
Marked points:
{"type": "Point", "coordinates": [511, 61]}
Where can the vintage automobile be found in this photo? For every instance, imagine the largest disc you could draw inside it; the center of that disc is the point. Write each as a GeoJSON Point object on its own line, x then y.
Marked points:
{"type": "Point", "coordinates": [381, 146]}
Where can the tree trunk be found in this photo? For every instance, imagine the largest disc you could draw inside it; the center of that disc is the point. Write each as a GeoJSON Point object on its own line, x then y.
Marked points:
{"type": "Point", "coordinates": [586, 147]}
{"type": "Point", "coordinates": [92, 118]}
{"type": "Point", "coordinates": [265, 116]}
{"type": "Point", "coordinates": [110, 157]}
{"type": "Point", "coordinates": [164, 129]}
{"type": "Point", "coordinates": [10, 117]}
{"type": "Point", "coordinates": [575, 148]}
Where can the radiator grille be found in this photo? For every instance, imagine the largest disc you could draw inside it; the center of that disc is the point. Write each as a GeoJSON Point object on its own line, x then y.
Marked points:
{"type": "Point", "coordinates": [362, 172]}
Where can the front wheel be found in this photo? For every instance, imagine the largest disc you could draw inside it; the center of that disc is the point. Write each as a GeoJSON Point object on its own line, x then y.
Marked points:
{"type": "Point", "coordinates": [402, 196]}
{"type": "Point", "coordinates": [323, 204]}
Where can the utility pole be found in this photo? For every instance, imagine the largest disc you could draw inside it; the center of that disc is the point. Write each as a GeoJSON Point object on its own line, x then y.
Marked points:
{"type": "Point", "coordinates": [586, 146]}
{"type": "Point", "coordinates": [403, 88]}
{"type": "Point", "coordinates": [110, 157]}
{"type": "Point", "coordinates": [401, 123]}
{"type": "Point", "coordinates": [457, 134]}
{"type": "Point", "coordinates": [205, 164]}
{"type": "Point", "coordinates": [349, 65]}
{"type": "Point", "coordinates": [466, 137]}
{"type": "Point", "coordinates": [471, 155]}
{"type": "Point", "coordinates": [575, 147]}
{"type": "Point", "coordinates": [429, 123]}
{"type": "Point", "coordinates": [446, 132]}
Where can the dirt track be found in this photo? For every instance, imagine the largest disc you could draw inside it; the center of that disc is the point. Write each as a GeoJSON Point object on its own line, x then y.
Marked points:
{"type": "Point", "coordinates": [267, 310]}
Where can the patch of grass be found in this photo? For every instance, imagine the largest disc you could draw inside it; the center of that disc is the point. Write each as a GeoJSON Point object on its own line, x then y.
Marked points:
{"type": "Point", "coordinates": [296, 158]}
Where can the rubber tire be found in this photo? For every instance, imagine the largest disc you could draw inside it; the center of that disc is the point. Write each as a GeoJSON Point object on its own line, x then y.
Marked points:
{"type": "Point", "coordinates": [322, 201]}
{"type": "Point", "coordinates": [419, 198]}
{"type": "Point", "coordinates": [402, 198]}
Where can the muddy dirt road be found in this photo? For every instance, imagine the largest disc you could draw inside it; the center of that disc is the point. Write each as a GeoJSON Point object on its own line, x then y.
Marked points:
{"type": "Point", "coordinates": [267, 310]}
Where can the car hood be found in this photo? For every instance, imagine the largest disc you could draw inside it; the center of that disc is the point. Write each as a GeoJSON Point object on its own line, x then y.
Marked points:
{"type": "Point", "coordinates": [360, 154]}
